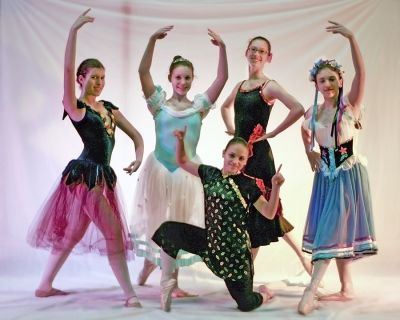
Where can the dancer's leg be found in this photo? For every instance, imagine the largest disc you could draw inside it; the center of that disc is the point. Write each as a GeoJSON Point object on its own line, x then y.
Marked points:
{"type": "Point", "coordinates": [58, 257]}
{"type": "Point", "coordinates": [346, 292]}
{"type": "Point", "coordinates": [307, 265]}
{"type": "Point", "coordinates": [54, 264]}
{"type": "Point", "coordinates": [178, 292]}
{"type": "Point", "coordinates": [120, 269]}
{"type": "Point", "coordinates": [307, 303]}
{"type": "Point", "coordinates": [110, 227]}
{"type": "Point", "coordinates": [168, 282]}
{"type": "Point", "coordinates": [148, 268]}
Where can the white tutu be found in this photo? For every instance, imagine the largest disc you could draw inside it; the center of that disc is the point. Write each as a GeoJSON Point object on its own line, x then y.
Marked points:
{"type": "Point", "coordinates": [161, 196]}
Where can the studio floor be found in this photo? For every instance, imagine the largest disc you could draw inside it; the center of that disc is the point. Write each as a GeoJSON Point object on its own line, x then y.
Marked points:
{"type": "Point", "coordinates": [97, 296]}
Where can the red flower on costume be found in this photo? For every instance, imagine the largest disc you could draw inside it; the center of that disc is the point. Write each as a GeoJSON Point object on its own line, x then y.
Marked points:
{"type": "Point", "coordinates": [257, 133]}
{"type": "Point", "coordinates": [267, 194]}
{"type": "Point", "coordinates": [343, 150]}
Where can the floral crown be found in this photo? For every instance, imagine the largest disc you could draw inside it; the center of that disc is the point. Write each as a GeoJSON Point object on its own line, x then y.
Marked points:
{"type": "Point", "coordinates": [321, 63]}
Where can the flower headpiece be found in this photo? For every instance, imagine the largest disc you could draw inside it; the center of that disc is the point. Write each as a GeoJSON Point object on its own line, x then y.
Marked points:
{"type": "Point", "coordinates": [321, 63]}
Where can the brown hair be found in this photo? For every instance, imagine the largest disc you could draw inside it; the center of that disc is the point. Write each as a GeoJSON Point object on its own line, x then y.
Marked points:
{"type": "Point", "coordinates": [236, 140]}
{"type": "Point", "coordinates": [179, 61]}
{"type": "Point", "coordinates": [86, 65]}
{"type": "Point", "coordinates": [260, 38]}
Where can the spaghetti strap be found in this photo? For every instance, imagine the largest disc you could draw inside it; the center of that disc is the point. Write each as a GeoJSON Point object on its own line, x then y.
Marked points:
{"type": "Point", "coordinates": [265, 83]}
{"type": "Point", "coordinates": [240, 87]}
{"type": "Point", "coordinates": [266, 99]}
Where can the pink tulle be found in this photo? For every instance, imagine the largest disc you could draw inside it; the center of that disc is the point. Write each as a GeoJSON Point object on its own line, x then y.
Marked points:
{"type": "Point", "coordinates": [83, 220]}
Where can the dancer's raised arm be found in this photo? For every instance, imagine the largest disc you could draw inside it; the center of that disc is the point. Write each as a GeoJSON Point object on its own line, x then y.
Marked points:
{"type": "Point", "coordinates": [216, 87]}
{"type": "Point", "coordinates": [69, 99]}
{"type": "Point", "coordinates": [144, 68]}
{"type": "Point", "coordinates": [356, 92]}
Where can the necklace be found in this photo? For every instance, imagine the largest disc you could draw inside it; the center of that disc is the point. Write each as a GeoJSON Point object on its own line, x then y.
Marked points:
{"type": "Point", "coordinates": [225, 175]}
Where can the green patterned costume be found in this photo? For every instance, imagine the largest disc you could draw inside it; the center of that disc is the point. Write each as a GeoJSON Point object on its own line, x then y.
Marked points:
{"type": "Point", "coordinates": [224, 244]}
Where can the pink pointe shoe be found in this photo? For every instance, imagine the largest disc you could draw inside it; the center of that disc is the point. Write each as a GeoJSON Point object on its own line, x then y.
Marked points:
{"type": "Point", "coordinates": [308, 303]}
{"type": "Point", "coordinates": [167, 286]}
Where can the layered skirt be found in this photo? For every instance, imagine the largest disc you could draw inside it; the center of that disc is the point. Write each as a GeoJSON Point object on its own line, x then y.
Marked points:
{"type": "Point", "coordinates": [162, 196]}
{"type": "Point", "coordinates": [84, 213]}
{"type": "Point", "coordinates": [340, 222]}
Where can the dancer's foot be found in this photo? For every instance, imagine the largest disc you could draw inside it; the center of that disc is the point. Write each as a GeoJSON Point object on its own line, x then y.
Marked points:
{"type": "Point", "coordinates": [307, 265]}
{"type": "Point", "coordinates": [49, 293]}
{"type": "Point", "coordinates": [180, 293]}
{"type": "Point", "coordinates": [266, 293]}
{"type": "Point", "coordinates": [133, 302]}
{"type": "Point", "coordinates": [148, 268]}
{"type": "Point", "coordinates": [167, 286]}
{"type": "Point", "coordinates": [338, 296]}
{"type": "Point", "coordinates": [307, 303]}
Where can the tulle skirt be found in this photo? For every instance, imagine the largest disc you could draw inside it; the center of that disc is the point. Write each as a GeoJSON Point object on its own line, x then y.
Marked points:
{"type": "Point", "coordinates": [162, 196]}
{"type": "Point", "coordinates": [84, 220]}
{"type": "Point", "coordinates": [340, 221]}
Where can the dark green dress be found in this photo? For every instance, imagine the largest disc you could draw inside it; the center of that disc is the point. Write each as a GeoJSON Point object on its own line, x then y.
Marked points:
{"type": "Point", "coordinates": [86, 192]}
{"type": "Point", "coordinates": [224, 244]}
{"type": "Point", "coordinates": [251, 110]}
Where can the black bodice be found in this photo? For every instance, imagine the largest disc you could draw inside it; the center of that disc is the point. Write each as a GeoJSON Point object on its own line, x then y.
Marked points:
{"type": "Point", "coordinates": [93, 164]}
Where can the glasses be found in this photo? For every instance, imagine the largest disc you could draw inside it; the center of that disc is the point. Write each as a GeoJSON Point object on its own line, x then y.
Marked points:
{"type": "Point", "coordinates": [254, 50]}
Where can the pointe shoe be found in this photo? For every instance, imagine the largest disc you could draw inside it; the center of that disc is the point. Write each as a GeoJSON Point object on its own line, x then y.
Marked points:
{"type": "Point", "coordinates": [49, 293]}
{"type": "Point", "coordinates": [180, 293]}
{"type": "Point", "coordinates": [307, 303]}
{"type": "Point", "coordinates": [167, 286]}
{"type": "Point", "coordinates": [144, 274]}
{"type": "Point", "coordinates": [133, 302]}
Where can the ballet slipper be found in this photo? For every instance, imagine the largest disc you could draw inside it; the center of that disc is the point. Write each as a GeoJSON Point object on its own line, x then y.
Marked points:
{"type": "Point", "coordinates": [133, 302]}
{"type": "Point", "coordinates": [307, 303]}
{"type": "Point", "coordinates": [266, 293]}
{"type": "Point", "coordinates": [338, 296]}
{"type": "Point", "coordinates": [144, 274]}
{"type": "Point", "coordinates": [167, 286]}
{"type": "Point", "coordinates": [49, 293]}
{"type": "Point", "coordinates": [180, 293]}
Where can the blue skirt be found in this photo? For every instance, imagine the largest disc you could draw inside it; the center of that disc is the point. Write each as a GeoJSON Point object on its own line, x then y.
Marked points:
{"type": "Point", "coordinates": [339, 222]}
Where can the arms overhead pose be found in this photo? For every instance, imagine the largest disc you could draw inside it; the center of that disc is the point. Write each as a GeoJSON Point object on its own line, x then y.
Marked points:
{"type": "Point", "coordinates": [165, 191]}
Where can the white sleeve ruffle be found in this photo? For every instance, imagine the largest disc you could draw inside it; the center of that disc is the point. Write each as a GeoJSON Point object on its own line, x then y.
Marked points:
{"type": "Point", "coordinates": [201, 102]}
{"type": "Point", "coordinates": [156, 100]}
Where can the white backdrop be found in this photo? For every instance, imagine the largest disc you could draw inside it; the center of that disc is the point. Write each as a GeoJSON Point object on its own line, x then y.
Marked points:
{"type": "Point", "coordinates": [36, 144]}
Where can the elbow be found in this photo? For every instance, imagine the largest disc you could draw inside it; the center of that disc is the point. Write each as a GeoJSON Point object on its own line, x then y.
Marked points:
{"type": "Point", "coordinates": [269, 214]}
{"type": "Point", "coordinates": [300, 110]}
{"type": "Point", "coordinates": [180, 162]}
